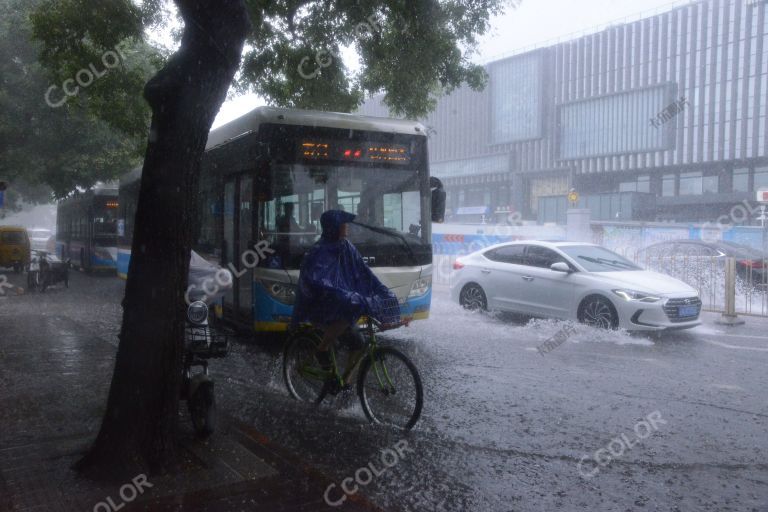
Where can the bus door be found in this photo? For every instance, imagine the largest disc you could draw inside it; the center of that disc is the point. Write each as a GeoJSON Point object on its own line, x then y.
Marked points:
{"type": "Point", "coordinates": [87, 248]}
{"type": "Point", "coordinates": [238, 239]}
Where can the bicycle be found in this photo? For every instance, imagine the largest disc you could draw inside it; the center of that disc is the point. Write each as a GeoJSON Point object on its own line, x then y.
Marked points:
{"type": "Point", "coordinates": [388, 383]}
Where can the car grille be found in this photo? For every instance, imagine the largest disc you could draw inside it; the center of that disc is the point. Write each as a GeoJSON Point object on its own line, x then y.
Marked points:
{"type": "Point", "coordinates": [670, 308]}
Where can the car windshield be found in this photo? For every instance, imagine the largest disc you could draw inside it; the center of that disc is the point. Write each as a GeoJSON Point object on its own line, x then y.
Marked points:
{"type": "Point", "coordinates": [39, 233]}
{"type": "Point", "coordinates": [598, 259]}
{"type": "Point", "coordinates": [12, 237]}
{"type": "Point", "coordinates": [743, 251]}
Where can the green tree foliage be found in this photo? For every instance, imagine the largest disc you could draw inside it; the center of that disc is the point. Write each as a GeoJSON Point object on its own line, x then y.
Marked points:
{"type": "Point", "coordinates": [47, 151]}
{"type": "Point", "coordinates": [412, 51]}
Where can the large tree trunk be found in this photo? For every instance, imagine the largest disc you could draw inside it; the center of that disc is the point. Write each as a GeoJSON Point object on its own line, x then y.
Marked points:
{"type": "Point", "coordinates": [139, 427]}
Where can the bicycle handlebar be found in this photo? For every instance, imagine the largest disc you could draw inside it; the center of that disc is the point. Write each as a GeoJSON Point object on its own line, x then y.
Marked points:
{"type": "Point", "coordinates": [386, 327]}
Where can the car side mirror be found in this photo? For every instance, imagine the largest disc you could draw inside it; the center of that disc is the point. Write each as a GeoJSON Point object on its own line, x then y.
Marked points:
{"type": "Point", "coordinates": [560, 266]}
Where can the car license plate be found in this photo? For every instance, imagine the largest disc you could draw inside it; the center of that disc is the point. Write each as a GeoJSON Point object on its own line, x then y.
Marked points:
{"type": "Point", "coordinates": [687, 311]}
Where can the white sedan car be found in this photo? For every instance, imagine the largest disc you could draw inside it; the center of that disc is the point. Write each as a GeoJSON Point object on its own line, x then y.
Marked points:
{"type": "Point", "coordinates": [573, 281]}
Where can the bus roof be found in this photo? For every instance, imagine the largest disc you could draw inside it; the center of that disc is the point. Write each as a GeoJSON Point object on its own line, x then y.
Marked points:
{"type": "Point", "coordinates": [105, 189]}
{"type": "Point", "coordinates": [11, 228]}
{"type": "Point", "coordinates": [251, 121]}
{"type": "Point", "coordinates": [99, 189]}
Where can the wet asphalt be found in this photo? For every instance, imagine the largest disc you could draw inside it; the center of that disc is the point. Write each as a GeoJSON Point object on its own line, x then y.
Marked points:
{"type": "Point", "coordinates": [603, 421]}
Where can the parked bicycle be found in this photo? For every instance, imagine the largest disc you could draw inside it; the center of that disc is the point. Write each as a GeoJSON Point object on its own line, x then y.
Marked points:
{"type": "Point", "coordinates": [388, 383]}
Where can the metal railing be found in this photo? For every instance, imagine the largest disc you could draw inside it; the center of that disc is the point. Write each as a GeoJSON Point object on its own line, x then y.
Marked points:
{"type": "Point", "coordinates": [746, 295]}
{"type": "Point", "coordinates": [442, 266]}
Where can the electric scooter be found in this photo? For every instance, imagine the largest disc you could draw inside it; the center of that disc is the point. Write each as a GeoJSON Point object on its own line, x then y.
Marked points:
{"type": "Point", "coordinates": [201, 344]}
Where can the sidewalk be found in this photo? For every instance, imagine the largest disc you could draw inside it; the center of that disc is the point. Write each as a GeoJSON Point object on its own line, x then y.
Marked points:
{"type": "Point", "coordinates": [54, 379]}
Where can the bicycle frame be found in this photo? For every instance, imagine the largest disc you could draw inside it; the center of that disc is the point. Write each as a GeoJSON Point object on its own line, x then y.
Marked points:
{"type": "Point", "coordinates": [382, 375]}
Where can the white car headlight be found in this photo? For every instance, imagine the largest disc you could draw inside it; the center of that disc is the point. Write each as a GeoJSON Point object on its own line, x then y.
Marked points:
{"type": "Point", "coordinates": [636, 296]}
{"type": "Point", "coordinates": [420, 287]}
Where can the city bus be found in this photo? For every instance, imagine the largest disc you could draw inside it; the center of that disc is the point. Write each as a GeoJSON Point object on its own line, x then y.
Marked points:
{"type": "Point", "coordinates": [86, 228]}
{"type": "Point", "coordinates": [266, 178]}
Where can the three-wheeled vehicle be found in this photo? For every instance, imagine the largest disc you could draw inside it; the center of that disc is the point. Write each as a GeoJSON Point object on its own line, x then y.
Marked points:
{"type": "Point", "coordinates": [46, 269]}
{"type": "Point", "coordinates": [14, 248]}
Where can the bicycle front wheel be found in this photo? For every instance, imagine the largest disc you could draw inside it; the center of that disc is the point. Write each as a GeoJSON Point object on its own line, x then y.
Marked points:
{"type": "Point", "coordinates": [390, 389]}
{"type": "Point", "coordinates": [301, 370]}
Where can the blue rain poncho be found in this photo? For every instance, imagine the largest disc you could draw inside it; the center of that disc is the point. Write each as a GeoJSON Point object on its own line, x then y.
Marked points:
{"type": "Point", "coordinates": [334, 281]}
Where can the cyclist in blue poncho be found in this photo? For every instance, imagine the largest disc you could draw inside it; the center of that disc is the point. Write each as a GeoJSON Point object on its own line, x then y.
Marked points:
{"type": "Point", "coordinates": [336, 288]}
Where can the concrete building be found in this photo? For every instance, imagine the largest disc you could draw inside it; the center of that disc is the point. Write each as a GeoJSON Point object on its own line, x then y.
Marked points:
{"type": "Point", "coordinates": [664, 118]}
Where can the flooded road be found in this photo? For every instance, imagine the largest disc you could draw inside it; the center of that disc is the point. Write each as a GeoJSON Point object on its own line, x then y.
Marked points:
{"type": "Point", "coordinates": [605, 421]}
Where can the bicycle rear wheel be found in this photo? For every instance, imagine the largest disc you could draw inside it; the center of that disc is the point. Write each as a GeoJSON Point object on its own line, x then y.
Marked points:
{"type": "Point", "coordinates": [301, 370]}
{"type": "Point", "coordinates": [390, 389]}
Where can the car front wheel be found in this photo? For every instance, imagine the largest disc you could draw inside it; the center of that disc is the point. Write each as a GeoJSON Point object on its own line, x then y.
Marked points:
{"type": "Point", "coordinates": [597, 311]}
{"type": "Point", "coordinates": [472, 297]}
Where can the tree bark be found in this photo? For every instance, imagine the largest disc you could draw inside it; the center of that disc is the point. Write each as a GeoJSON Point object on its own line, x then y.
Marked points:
{"type": "Point", "coordinates": [139, 428]}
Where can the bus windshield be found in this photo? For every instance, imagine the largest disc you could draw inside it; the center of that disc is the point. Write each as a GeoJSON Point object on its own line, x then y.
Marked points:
{"type": "Point", "coordinates": [105, 222]}
{"type": "Point", "coordinates": [380, 197]}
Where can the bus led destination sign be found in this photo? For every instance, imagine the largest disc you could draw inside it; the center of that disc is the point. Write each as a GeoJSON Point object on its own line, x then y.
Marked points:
{"type": "Point", "coordinates": [371, 152]}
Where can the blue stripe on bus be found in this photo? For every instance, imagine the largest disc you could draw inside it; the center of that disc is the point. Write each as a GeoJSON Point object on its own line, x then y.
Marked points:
{"type": "Point", "coordinates": [102, 263]}
{"type": "Point", "coordinates": [267, 311]}
{"type": "Point", "coordinates": [123, 260]}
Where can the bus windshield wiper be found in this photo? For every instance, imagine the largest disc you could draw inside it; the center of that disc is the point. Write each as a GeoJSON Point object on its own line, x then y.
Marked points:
{"type": "Point", "coordinates": [393, 233]}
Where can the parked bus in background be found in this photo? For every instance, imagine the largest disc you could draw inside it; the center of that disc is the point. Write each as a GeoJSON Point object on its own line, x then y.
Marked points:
{"type": "Point", "coordinates": [266, 178]}
{"type": "Point", "coordinates": [128, 198]}
{"type": "Point", "coordinates": [86, 228]}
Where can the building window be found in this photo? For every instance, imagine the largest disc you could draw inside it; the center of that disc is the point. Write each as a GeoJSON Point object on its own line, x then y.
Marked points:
{"type": "Point", "coordinates": [644, 184]}
{"type": "Point", "coordinates": [668, 185]}
{"type": "Point", "coordinates": [761, 177]}
{"type": "Point", "coordinates": [711, 184]}
{"type": "Point", "coordinates": [628, 186]}
{"type": "Point", "coordinates": [641, 117]}
{"type": "Point", "coordinates": [741, 180]}
{"type": "Point", "coordinates": [690, 184]}
{"type": "Point", "coordinates": [471, 166]}
{"type": "Point", "coordinates": [641, 184]}
{"type": "Point", "coordinates": [516, 98]}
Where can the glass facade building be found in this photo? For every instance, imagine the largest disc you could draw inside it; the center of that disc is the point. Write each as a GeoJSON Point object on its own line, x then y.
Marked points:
{"type": "Point", "coordinates": [674, 106]}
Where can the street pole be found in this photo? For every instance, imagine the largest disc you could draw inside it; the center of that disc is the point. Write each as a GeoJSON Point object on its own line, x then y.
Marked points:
{"type": "Point", "coordinates": [765, 235]}
{"type": "Point", "coordinates": [762, 217]}
{"type": "Point", "coordinates": [729, 316]}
